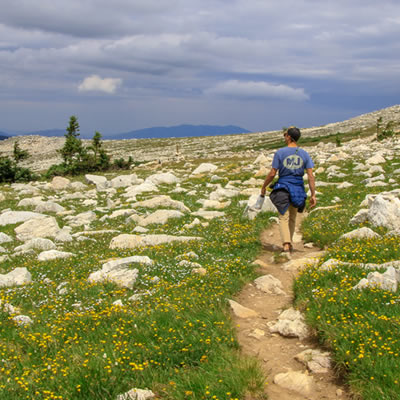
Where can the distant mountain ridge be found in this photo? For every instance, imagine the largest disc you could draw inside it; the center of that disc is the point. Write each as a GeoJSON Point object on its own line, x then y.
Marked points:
{"type": "Point", "coordinates": [178, 131]}
{"type": "Point", "coordinates": [4, 135]}
{"type": "Point", "coordinates": [149, 133]}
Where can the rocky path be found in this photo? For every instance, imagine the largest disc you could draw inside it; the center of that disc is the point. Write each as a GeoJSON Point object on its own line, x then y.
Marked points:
{"type": "Point", "coordinates": [276, 352]}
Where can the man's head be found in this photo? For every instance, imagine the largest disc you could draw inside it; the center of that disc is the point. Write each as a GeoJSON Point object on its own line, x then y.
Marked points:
{"type": "Point", "coordinates": [294, 133]}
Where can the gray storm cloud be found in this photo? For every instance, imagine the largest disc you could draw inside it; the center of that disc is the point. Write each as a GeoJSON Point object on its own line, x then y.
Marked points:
{"type": "Point", "coordinates": [247, 50]}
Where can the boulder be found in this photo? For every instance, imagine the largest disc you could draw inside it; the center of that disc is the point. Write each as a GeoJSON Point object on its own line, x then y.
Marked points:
{"type": "Point", "coordinates": [17, 277]}
{"type": "Point", "coordinates": [360, 217]}
{"type": "Point", "coordinates": [53, 255]}
{"type": "Point", "coordinates": [125, 181]}
{"type": "Point", "coordinates": [15, 217]}
{"type": "Point", "coordinates": [59, 183]}
{"type": "Point", "coordinates": [317, 362]}
{"type": "Point", "coordinates": [84, 218]}
{"type": "Point", "coordinates": [126, 241]}
{"type": "Point", "coordinates": [385, 211]}
{"type": "Point", "coordinates": [121, 213]}
{"type": "Point", "coordinates": [162, 201]}
{"type": "Point", "coordinates": [159, 217]}
{"type": "Point", "coordinates": [290, 324]}
{"type": "Point", "coordinates": [4, 238]}
{"type": "Point", "coordinates": [37, 228]}
{"type": "Point", "coordinates": [361, 233]}
{"type": "Point", "coordinates": [36, 244]}
{"type": "Point", "coordinates": [144, 187]}
{"type": "Point", "coordinates": [208, 214]}
{"type": "Point", "coordinates": [295, 381]}
{"type": "Point", "coordinates": [49, 206]}
{"type": "Point", "coordinates": [386, 281]}
{"type": "Point", "coordinates": [205, 168]}
{"type": "Point", "coordinates": [30, 201]}
{"type": "Point", "coordinates": [269, 284]}
{"type": "Point", "coordinates": [78, 186]}
{"type": "Point", "coordinates": [376, 159]}
{"type": "Point", "coordinates": [117, 271]}
{"type": "Point", "coordinates": [162, 178]}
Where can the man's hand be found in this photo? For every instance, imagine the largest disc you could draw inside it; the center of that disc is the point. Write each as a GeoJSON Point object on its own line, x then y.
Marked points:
{"type": "Point", "coordinates": [313, 201]}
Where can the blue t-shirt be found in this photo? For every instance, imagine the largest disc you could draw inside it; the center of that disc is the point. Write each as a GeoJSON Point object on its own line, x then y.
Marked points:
{"type": "Point", "coordinates": [291, 161]}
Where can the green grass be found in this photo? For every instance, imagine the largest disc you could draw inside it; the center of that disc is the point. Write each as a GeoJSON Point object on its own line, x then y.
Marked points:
{"type": "Point", "coordinates": [178, 340]}
{"type": "Point", "coordinates": [360, 327]}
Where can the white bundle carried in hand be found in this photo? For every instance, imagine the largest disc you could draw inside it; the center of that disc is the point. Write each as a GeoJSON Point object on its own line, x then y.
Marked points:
{"type": "Point", "coordinates": [259, 202]}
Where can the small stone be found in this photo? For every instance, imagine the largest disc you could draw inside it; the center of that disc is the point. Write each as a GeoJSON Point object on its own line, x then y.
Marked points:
{"type": "Point", "coordinates": [242, 312]}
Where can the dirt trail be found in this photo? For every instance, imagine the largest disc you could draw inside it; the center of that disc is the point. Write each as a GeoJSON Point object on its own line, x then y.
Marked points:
{"type": "Point", "coordinates": [276, 352]}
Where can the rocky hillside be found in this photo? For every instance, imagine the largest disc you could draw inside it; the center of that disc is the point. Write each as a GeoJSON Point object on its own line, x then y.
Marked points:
{"type": "Point", "coordinates": [43, 150]}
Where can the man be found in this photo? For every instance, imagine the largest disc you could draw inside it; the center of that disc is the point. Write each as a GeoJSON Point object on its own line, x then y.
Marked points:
{"type": "Point", "coordinates": [288, 193]}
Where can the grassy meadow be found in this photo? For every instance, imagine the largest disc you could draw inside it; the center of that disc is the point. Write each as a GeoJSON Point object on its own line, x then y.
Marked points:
{"type": "Point", "coordinates": [360, 327]}
{"type": "Point", "coordinates": [94, 341]}
{"type": "Point", "coordinates": [176, 338]}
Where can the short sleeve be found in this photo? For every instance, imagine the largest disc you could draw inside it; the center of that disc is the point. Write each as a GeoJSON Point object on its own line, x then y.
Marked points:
{"type": "Point", "coordinates": [275, 161]}
{"type": "Point", "coordinates": [309, 162]}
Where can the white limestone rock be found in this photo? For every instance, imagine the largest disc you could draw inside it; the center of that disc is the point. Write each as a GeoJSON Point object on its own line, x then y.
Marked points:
{"type": "Point", "coordinates": [160, 217]}
{"type": "Point", "coordinates": [242, 312]}
{"type": "Point", "coordinates": [4, 238]}
{"type": "Point", "coordinates": [360, 217]}
{"type": "Point", "coordinates": [344, 185]}
{"type": "Point", "coordinates": [208, 214]}
{"type": "Point", "coordinates": [133, 191]}
{"type": "Point", "coordinates": [64, 235]}
{"type": "Point", "coordinates": [30, 201]}
{"type": "Point", "coordinates": [118, 271]}
{"type": "Point", "coordinates": [78, 186]}
{"type": "Point", "coordinates": [222, 193]}
{"type": "Point", "coordinates": [162, 201]}
{"type": "Point", "coordinates": [36, 244]}
{"type": "Point", "coordinates": [49, 206]}
{"type": "Point", "coordinates": [361, 233]}
{"type": "Point", "coordinates": [136, 394]}
{"type": "Point", "coordinates": [126, 241]}
{"type": "Point", "coordinates": [269, 284]}
{"type": "Point", "coordinates": [84, 218]}
{"type": "Point", "coordinates": [215, 204]}
{"type": "Point", "coordinates": [100, 181]}
{"type": "Point", "coordinates": [387, 281]}
{"type": "Point", "coordinates": [53, 255]}
{"type": "Point", "coordinates": [17, 277]}
{"type": "Point", "coordinates": [122, 213]}
{"type": "Point", "coordinates": [376, 159]}
{"type": "Point", "coordinates": [330, 264]}
{"type": "Point", "coordinates": [162, 178]}
{"type": "Point", "coordinates": [15, 217]}
{"type": "Point", "coordinates": [385, 211]}
{"type": "Point", "coordinates": [317, 362]}
{"type": "Point", "coordinates": [59, 183]}
{"type": "Point", "coordinates": [295, 381]}
{"type": "Point", "coordinates": [46, 227]}
{"type": "Point", "coordinates": [205, 168]}
{"type": "Point", "coordinates": [290, 324]}
{"type": "Point", "coordinates": [22, 320]}
{"type": "Point", "coordinates": [123, 181]}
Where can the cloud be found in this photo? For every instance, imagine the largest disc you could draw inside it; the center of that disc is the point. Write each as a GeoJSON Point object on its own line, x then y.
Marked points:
{"type": "Point", "coordinates": [94, 83]}
{"type": "Point", "coordinates": [257, 90]}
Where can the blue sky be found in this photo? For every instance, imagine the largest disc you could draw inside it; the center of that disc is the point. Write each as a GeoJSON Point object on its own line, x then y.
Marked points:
{"type": "Point", "coordinates": [127, 64]}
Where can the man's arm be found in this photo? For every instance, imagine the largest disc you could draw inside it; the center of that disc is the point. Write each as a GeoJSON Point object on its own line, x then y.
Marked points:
{"type": "Point", "coordinates": [311, 184]}
{"type": "Point", "coordinates": [268, 180]}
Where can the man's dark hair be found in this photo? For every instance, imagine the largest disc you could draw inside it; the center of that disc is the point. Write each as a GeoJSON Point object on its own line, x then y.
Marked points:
{"type": "Point", "coordinates": [294, 133]}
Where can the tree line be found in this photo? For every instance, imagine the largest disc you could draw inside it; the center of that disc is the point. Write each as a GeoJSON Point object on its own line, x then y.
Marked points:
{"type": "Point", "coordinates": [77, 158]}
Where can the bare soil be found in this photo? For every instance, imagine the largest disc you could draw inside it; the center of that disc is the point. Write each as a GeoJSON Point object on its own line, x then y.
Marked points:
{"type": "Point", "coordinates": [275, 352]}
